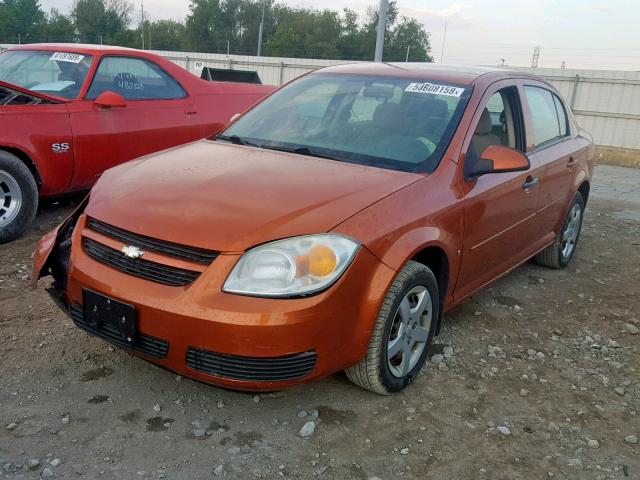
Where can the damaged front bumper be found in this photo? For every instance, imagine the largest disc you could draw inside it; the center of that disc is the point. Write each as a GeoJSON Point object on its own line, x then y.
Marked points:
{"type": "Point", "coordinates": [52, 256]}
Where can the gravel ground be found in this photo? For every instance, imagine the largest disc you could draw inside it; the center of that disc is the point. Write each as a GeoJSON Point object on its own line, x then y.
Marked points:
{"type": "Point", "coordinates": [536, 377]}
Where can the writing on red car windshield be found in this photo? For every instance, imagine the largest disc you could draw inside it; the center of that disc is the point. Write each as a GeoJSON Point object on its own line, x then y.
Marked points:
{"type": "Point", "coordinates": [128, 81]}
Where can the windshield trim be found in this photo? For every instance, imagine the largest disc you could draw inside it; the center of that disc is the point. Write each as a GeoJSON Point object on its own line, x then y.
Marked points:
{"type": "Point", "coordinates": [428, 165]}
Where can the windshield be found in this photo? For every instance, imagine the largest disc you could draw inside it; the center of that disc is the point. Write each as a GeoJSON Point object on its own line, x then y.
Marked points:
{"type": "Point", "coordinates": [55, 73]}
{"type": "Point", "coordinates": [388, 122]}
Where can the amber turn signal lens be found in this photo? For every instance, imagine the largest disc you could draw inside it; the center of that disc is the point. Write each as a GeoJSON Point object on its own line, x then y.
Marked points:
{"type": "Point", "coordinates": [322, 261]}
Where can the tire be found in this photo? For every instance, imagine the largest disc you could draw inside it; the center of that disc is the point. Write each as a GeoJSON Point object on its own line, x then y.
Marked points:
{"type": "Point", "coordinates": [18, 197]}
{"type": "Point", "coordinates": [376, 372]}
{"type": "Point", "coordinates": [558, 255]}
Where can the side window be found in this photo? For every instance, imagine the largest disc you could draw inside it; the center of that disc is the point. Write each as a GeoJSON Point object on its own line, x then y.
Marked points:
{"type": "Point", "coordinates": [500, 124]}
{"type": "Point", "coordinates": [562, 116]}
{"type": "Point", "coordinates": [548, 117]}
{"type": "Point", "coordinates": [134, 79]}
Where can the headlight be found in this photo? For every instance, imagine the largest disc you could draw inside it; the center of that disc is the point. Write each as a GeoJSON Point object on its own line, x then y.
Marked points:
{"type": "Point", "coordinates": [291, 267]}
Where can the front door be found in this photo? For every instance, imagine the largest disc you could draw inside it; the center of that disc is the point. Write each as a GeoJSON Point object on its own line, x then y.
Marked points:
{"type": "Point", "coordinates": [158, 114]}
{"type": "Point", "coordinates": [500, 208]}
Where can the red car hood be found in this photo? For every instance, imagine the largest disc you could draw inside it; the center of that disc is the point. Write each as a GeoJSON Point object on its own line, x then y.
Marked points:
{"type": "Point", "coordinates": [26, 91]}
{"type": "Point", "coordinates": [229, 198]}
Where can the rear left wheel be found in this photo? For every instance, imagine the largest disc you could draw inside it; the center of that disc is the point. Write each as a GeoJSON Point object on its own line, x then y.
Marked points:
{"type": "Point", "coordinates": [402, 333]}
{"type": "Point", "coordinates": [560, 252]}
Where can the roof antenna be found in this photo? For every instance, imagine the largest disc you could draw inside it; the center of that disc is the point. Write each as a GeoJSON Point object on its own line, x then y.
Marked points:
{"type": "Point", "coordinates": [444, 39]}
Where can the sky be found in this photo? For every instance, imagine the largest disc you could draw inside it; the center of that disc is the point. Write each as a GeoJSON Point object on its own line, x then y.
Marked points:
{"type": "Point", "coordinates": [593, 34]}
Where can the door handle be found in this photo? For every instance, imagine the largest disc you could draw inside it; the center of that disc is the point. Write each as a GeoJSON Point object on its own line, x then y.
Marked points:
{"type": "Point", "coordinates": [530, 182]}
{"type": "Point", "coordinates": [571, 161]}
{"type": "Point", "coordinates": [191, 112]}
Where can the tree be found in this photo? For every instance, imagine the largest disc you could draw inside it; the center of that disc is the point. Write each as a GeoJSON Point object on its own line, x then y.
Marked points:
{"type": "Point", "coordinates": [165, 35]}
{"type": "Point", "coordinates": [23, 18]}
{"type": "Point", "coordinates": [90, 18]}
{"type": "Point", "coordinates": [408, 34]}
{"type": "Point", "coordinates": [59, 27]}
{"type": "Point", "coordinates": [306, 33]}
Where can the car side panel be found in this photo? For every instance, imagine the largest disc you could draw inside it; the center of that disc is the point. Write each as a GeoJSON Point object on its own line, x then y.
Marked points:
{"type": "Point", "coordinates": [104, 138]}
{"type": "Point", "coordinates": [561, 163]}
{"type": "Point", "coordinates": [43, 133]}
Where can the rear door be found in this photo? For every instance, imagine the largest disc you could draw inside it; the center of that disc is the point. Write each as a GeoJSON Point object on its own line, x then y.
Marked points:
{"type": "Point", "coordinates": [158, 114]}
{"type": "Point", "coordinates": [500, 227]}
{"type": "Point", "coordinates": [556, 149]}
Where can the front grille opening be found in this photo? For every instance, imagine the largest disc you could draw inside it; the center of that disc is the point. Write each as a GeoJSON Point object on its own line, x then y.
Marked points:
{"type": "Point", "coordinates": [151, 346]}
{"type": "Point", "coordinates": [170, 249]}
{"type": "Point", "coordinates": [139, 267]}
{"type": "Point", "coordinates": [289, 367]}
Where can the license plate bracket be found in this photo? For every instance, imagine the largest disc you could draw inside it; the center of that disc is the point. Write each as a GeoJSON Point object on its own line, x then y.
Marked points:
{"type": "Point", "coordinates": [103, 312]}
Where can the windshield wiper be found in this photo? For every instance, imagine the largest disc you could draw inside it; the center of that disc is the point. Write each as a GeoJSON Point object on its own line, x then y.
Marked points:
{"type": "Point", "coordinates": [236, 140]}
{"type": "Point", "coordinates": [302, 151]}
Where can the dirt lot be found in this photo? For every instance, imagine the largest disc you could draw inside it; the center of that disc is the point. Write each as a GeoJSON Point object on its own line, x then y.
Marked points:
{"type": "Point", "coordinates": [543, 383]}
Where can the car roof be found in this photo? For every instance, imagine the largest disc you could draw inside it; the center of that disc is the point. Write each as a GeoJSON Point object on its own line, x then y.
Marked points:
{"type": "Point", "coordinates": [76, 48]}
{"type": "Point", "coordinates": [459, 74]}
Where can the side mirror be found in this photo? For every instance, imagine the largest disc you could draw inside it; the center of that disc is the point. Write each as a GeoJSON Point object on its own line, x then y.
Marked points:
{"type": "Point", "coordinates": [498, 159]}
{"type": "Point", "coordinates": [110, 100]}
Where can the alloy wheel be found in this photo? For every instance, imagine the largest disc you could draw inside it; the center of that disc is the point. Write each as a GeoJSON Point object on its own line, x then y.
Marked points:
{"type": "Point", "coordinates": [571, 231]}
{"type": "Point", "coordinates": [10, 198]}
{"type": "Point", "coordinates": [409, 332]}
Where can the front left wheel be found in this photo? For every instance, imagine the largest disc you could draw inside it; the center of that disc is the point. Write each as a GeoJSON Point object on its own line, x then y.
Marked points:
{"type": "Point", "coordinates": [18, 197]}
{"type": "Point", "coordinates": [402, 333]}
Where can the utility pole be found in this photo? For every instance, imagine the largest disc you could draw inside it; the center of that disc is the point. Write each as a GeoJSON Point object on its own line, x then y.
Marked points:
{"type": "Point", "coordinates": [407, 57]}
{"type": "Point", "coordinates": [142, 23]}
{"type": "Point", "coordinates": [535, 58]}
{"type": "Point", "coordinates": [382, 27]}
{"type": "Point", "coordinates": [444, 39]}
{"type": "Point", "coordinates": [260, 32]}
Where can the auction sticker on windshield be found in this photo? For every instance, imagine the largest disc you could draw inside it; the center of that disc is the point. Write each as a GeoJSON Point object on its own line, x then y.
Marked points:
{"type": "Point", "coordinates": [66, 57]}
{"type": "Point", "coordinates": [434, 89]}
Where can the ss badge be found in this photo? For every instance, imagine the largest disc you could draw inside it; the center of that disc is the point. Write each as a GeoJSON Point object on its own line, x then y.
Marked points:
{"type": "Point", "coordinates": [60, 147]}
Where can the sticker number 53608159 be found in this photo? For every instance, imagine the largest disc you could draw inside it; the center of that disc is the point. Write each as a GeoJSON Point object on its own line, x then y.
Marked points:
{"type": "Point", "coordinates": [434, 89]}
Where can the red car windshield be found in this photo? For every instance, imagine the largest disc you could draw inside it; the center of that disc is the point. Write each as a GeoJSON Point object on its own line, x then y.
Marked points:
{"type": "Point", "coordinates": [61, 74]}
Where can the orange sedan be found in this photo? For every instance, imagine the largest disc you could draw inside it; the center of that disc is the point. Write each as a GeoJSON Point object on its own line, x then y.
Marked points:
{"type": "Point", "coordinates": [328, 228]}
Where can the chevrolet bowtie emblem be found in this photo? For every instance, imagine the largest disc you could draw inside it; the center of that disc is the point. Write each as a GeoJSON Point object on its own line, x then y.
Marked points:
{"type": "Point", "coordinates": [132, 252]}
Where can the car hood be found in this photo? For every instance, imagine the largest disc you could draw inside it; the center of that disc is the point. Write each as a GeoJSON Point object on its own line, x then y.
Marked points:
{"type": "Point", "coordinates": [26, 91]}
{"type": "Point", "coordinates": [229, 198]}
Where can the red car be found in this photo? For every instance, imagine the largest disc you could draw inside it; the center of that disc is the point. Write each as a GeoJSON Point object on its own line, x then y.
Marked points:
{"type": "Point", "coordinates": [68, 112]}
